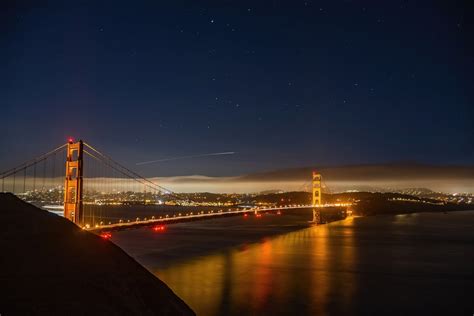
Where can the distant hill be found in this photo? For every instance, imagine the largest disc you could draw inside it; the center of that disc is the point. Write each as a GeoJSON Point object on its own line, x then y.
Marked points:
{"type": "Point", "coordinates": [51, 267]}
{"type": "Point", "coordinates": [367, 173]}
{"type": "Point", "coordinates": [382, 177]}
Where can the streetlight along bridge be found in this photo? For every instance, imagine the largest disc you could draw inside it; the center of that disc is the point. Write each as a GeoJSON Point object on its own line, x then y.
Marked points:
{"type": "Point", "coordinates": [86, 184]}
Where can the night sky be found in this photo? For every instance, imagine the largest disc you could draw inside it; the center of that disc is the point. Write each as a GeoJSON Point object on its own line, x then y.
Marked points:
{"type": "Point", "coordinates": [281, 83]}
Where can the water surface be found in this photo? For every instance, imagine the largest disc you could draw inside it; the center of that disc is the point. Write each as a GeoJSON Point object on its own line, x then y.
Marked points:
{"type": "Point", "coordinates": [281, 265]}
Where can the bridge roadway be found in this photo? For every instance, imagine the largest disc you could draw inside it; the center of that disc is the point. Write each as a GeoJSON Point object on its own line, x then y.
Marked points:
{"type": "Point", "coordinates": [200, 216]}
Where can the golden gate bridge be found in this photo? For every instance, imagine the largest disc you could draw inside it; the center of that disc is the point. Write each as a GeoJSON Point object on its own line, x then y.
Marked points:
{"type": "Point", "coordinates": [99, 194]}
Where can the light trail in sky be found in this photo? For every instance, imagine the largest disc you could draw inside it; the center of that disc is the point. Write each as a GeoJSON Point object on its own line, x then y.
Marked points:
{"type": "Point", "coordinates": [185, 157]}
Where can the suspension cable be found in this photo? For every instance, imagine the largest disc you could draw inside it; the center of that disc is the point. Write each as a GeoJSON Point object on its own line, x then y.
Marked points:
{"type": "Point", "coordinates": [134, 174]}
{"type": "Point", "coordinates": [29, 163]}
{"type": "Point", "coordinates": [102, 158]}
{"type": "Point", "coordinates": [131, 176]}
{"type": "Point", "coordinates": [125, 168]}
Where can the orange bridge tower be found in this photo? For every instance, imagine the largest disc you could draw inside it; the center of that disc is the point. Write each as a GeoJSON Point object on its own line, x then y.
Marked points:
{"type": "Point", "coordinates": [317, 201]}
{"type": "Point", "coordinates": [73, 182]}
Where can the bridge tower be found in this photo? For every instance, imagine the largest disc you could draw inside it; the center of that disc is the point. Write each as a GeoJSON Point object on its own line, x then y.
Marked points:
{"type": "Point", "coordinates": [73, 182]}
{"type": "Point", "coordinates": [317, 201]}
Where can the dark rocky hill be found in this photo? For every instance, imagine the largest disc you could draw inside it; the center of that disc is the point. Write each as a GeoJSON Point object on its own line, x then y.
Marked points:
{"type": "Point", "coordinates": [49, 266]}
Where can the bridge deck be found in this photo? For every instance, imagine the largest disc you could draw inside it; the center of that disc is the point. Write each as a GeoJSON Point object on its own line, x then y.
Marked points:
{"type": "Point", "coordinates": [203, 216]}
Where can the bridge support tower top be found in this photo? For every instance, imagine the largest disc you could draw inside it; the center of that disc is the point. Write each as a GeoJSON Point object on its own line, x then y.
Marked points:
{"type": "Point", "coordinates": [73, 182]}
{"type": "Point", "coordinates": [317, 201]}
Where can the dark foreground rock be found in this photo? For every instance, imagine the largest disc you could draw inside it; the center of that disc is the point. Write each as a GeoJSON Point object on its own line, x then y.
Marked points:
{"type": "Point", "coordinates": [49, 266]}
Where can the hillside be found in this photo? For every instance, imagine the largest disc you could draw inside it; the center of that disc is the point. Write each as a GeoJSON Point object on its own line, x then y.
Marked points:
{"type": "Point", "coordinates": [368, 172]}
{"type": "Point", "coordinates": [49, 266]}
{"type": "Point", "coordinates": [375, 177]}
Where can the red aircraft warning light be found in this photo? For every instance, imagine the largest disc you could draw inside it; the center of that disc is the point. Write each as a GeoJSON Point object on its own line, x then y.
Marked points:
{"type": "Point", "coordinates": [70, 140]}
{"type": "Point", "coordinates": [159, 228]}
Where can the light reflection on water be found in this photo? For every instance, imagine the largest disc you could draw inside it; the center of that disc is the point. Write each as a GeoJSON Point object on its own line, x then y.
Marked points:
{"type": "Point", "coordinates": [383, 265]}
{"type": "Point", "coordinates": [292, 270]}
